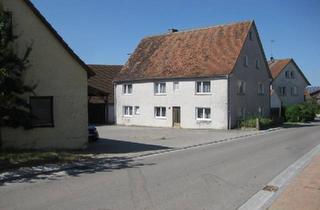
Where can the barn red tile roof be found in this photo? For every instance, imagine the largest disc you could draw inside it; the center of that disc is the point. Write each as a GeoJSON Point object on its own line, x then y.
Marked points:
{"type": "Point", "coordinates": [102, 81]}
{"type": "Point", "coordinates": [276, 67]}
{"type": "Point", "coordinates": [203, 52]}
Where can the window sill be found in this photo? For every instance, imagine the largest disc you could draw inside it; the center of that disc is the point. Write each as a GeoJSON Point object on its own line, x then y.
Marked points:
{"type": "Point", "coordinates": [127, 94]}
{"type": "Point", "coordinates": [43, 126]}
{"type": "Point", "coordinates": [127, 116]}
{"type": "Point", "coordinates": [209, 93]}
{"type": "Point", "coordinates": [160, 94]}
{"type": "Point", "coordinates": [204, 120]}
{"type": "Point", "coordinates": [161, 118]}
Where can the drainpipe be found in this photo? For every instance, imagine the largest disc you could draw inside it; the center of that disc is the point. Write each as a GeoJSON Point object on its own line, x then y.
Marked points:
{"type": "Point", "coordinates": [229, 104]}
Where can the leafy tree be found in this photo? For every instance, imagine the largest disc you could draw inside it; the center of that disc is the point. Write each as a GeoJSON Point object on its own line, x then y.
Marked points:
{"type": "Point", "coordinates": [14, 108]}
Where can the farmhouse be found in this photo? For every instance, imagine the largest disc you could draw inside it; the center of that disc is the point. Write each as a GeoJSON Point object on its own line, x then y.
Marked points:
{"type": "Point", "coordinates": [202, 78]}
{"type": "Point", "coordinates": [289, 82]}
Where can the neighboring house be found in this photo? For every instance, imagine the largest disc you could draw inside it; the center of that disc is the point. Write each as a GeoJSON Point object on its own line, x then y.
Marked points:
{"type": "Point", "coordinates": [202, 78]}
{"type": "Point", "coordinates": [316, 95]}
{"type": "Point", "coordinates": [288, 82]}
{"type": "Point", "coordinates": [60, 101]}
{"type": "Point", "coordinates": [101, 97]}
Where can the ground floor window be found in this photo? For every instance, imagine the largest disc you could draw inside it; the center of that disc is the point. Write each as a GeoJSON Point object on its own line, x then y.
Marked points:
{"type": "Point", "coordinates": [41, 108]}
{"type": "Point", "coordinates": [203, 113]}
{"type": "Point", "coordinates": [160, 112]}
{"type": "Point", "coordinates": [137, 110]}
{"type": "Point", "coordinates": [127, 111]}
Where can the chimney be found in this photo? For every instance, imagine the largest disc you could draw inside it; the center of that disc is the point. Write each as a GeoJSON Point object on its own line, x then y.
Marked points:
{"type": "Point", "coordinates": [272, 59]}
{"type": "Point", "coordinates": [173, 30]}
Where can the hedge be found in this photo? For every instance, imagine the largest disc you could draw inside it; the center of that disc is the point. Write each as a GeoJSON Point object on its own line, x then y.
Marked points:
{"type": "Point", "coordinates": [304, 112]}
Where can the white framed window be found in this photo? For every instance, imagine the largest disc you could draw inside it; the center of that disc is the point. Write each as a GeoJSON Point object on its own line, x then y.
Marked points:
{"type": "Point", "coordinates": [160, 88]}
{"type": "Point", "coordinates": [241, 87]}
{"type": "Point", "coordinates": [287, 74]}
{"type": "Point", "coordinates": [203, 113]}
{"type": "Point", "coordinates": [137, 110]}
{"type": "Point", "coordinates": [203, 87]}
{"type": "Point", "coordinates": [292, 75]}
{"type": "Point", "coordinates": [175, 86]}
{"type": "Point", "coordinates": [160, 112]}
{"type": "Point", "coordinates": [294, 91]}
{"type": "Point", "coordinates": [246, 61]}
{"type": "Point", "coordinates": [282, 91]}
{"type": "Point", "coordinates": [261, 90]}
{"type": "Point", "coordinates": [127, 111]}
{"type": "Point", "coordinates": [127, 89]}
{"type": "Point", "coordinates": [257, 63]}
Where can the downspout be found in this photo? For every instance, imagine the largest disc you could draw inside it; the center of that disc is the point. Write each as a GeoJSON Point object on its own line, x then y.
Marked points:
{"type": "Point", "coordinates": [228, 103]}
{"type": "Point", "coordinates": [114, 103]}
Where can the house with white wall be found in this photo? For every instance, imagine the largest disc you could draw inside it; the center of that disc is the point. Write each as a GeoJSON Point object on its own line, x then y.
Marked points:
{"type": "Point", "coordinates": [59, 106]}
{"type": "Point", "coordinates": [289, 83]}
{"type": "Point", "coordinates": [206, 78]}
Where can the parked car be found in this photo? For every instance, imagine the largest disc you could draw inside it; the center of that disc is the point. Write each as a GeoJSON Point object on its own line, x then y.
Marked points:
{"type": "Point", "coordinates": [93, 133]}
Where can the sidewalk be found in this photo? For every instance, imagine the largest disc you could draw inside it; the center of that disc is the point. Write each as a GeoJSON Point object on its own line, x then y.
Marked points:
{"type": "Point", "coordinates": [303, 192]}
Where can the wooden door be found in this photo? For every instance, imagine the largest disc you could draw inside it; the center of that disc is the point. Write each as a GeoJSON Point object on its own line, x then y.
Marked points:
{"type": "Point", "coordinates": [176, 117]}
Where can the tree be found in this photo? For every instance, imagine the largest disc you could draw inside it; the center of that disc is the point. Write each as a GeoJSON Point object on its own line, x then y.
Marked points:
{"type": "Point", "coordinates": [14, 107]}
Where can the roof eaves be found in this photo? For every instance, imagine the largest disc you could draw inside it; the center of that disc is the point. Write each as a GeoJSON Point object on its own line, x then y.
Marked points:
{"type": "Point", "coordinates": [58, 37]}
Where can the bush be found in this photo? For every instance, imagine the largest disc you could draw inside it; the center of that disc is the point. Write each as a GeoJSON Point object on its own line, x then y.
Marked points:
{"type": "Point", "coordinates": [251, 122]}
{"type": "Point", "coordinates": [301, 112]}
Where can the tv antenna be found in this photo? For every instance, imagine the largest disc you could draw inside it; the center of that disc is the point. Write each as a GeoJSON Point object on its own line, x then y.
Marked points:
{"type": "Point", "coordinates": [272, 42]}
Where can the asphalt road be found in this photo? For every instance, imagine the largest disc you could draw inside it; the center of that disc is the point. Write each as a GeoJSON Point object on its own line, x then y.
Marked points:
{"type": "Point", "coordinates": [220, 176]}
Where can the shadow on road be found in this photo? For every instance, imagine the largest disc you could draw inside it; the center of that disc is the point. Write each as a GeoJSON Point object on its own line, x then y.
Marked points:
{"type": "Point", "coordinates": [54, 172]}
{"type": "Point", "coordinates": [112, 146]}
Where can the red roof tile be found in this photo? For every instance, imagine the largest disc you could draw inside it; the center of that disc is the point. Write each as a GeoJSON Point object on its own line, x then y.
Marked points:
{"type": "Point", "coordinates": [277, 66]}
{"type": "Point", "coordinates": [204, 52]}
{"type": "Point", "coordinates": [103, 79]}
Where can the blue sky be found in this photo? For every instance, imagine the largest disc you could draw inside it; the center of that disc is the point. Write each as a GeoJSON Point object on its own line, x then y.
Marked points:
{"type": "Point", "coordinates": [105, 31]}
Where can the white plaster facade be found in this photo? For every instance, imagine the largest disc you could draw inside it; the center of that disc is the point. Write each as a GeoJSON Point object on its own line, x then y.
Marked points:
{"type": "Point", "coordinates": [297, 81]}
{"type": "Point", "coordinates": [185, 97]}
{"type": "Point", "coordinates": [57, 74]}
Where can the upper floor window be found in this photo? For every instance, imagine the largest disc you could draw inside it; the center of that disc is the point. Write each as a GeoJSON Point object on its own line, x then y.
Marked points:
{"type": "Point", "coordinates": [160, 88]}
{"type": "Point", "coordinates": [175, 85]}
{"type": "Point", "coordinates": [292, 75]}
{"type": "Point", "coordinates": [241, 113]}
{"type": "Point", "coordinates": [241, 87]}
{"type": "Point", "coordinates": [283, 91]}
{"type": "Point", "coordinates": [160, 112]}
{"type": "Point", "coordinates": [127, 89]}
{"type": "Point", "coordinates": [260, 111]}
{"type": "Point", "coordinates": [246, 61]}
{"type": "Point", "coordinates": [203, 113]}
{"type": "Point", "coordinates": [294, 91]}
{"type": "Point", "coordinates": [127, 111]}
{"type": "Point", "coordinates": [260, 88]}
{"type": "Point", "coordinates": [41, 108]}
{"type": "Point", "coordinates": [257, 63]}
{"type": "Point", "coordinates": [203, 87]}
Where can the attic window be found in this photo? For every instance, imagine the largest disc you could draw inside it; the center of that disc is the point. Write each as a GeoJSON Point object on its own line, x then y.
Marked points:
{"type": "Point", "coordinates": [292, 75]}
{"type": "Point", "coordinates": [246, 61]}
{"type": "Point", "coordinates": [257, 63]}
{"type": "Point", "coordinates": [251, 36]}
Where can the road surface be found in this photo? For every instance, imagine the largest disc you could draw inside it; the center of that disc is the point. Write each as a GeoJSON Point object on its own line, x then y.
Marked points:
{"type": "Point", "coordinates": [219, 176]}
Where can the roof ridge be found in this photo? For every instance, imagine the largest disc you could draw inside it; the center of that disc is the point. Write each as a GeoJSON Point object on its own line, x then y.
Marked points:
{"type": "Point", "coordinates": [198, 29]}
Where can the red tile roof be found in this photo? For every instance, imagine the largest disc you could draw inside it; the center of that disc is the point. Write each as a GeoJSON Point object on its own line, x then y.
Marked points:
{"type": "Point", "coordinates": [278, 65]}
{"type": "Point", "coordinates": [204, 52]}
{"type": "Point", "coordinates": [102, 81]}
